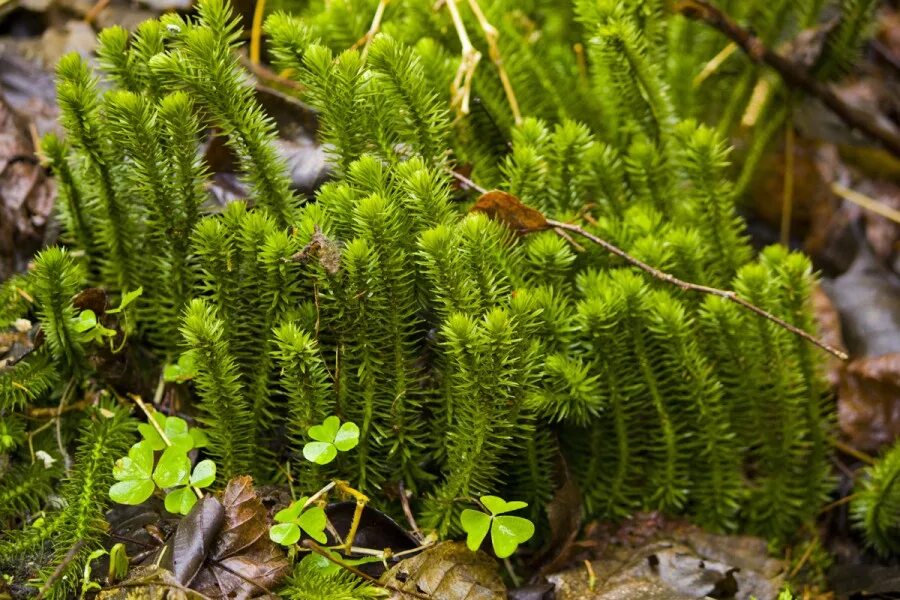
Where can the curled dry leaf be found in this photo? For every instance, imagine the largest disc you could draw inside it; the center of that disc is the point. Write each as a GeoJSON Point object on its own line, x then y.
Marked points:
{"type": "Point", "coordinates": [447, 571]}
{"type": "Point", "coordinates": [221, 549]}
{"type": "Point", "coordinates": [26, 195]}
{"type": "Point", "coordinates": [244, 562]}
{"type": "Point", "coordinates": [506, 208]}
{"type": "Point", "coordinates": [868, 407]}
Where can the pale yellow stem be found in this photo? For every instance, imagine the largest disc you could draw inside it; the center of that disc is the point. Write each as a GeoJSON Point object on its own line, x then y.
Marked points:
{"type": "Point", "coordinates": [492, 35]}
{"type": "Point", "coordinates": [461, 87]}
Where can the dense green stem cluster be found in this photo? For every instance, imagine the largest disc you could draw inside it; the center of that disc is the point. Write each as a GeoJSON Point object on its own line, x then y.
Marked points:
{"type": "Point", "coordinates": [473, 361]}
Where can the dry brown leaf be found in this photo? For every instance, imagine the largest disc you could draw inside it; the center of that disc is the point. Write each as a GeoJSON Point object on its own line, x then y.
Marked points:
{"type": "Point", "coordinates": [506, 208]}
{"type": "Point", "coordinates": [26, 195]}
{"type": "Point", "coordinates": [447, 571]}
{"type": "Point", "coordinates": [869, 401]}
{"type": "Point", "coordinates": [244, 562]}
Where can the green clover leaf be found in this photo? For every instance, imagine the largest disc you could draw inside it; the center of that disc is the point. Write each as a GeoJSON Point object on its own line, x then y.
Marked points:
{"type": "Point", "coordinates": [180, 500]}
{"type": "Point", "coordinates": [498, 506]}
{"type": "Point", "coordinates": [507, 532]}
{"type": "Point", "coordinates": [204, 474]}
{"type": "Point", "coordinates": [330, 437]}
{"type": "Point", "coordinates": [86, 321]}
{"type": "Point", "coordinates": [294, 518]}
{"type": "Point", "coordinates": [326, 431]}
{"type": "Point", "coordinates": [320, 453]}
{"type": "Point", "coordinates": [173, 468]}
{"type": "Point", "coordinates": [133, 474]}
{"type": "Point", "coordinates": [476, 524]}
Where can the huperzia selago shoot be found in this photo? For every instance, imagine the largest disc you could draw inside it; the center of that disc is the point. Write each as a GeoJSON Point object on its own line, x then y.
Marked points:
{"type": "Point", "coordinates": [379, 341]}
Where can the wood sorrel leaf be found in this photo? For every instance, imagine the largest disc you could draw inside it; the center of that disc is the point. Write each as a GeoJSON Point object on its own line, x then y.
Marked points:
{"type": "Point", "coordinates": [347, 437]}
{"type": "Point", "coordinates": [204, 474]}
{"type": "Point", "coordinates": [508, 532]}
{"type": "Point", "coordinates": [312, 521]}
{"type": "Point", "coordinates": [181, 500]}
{"type": "Point", "coordinates": [289, 514]}
{"type": "Point", "coordinates": [325, 432]}
{"type": "Point", "coordinates": [173, 468]}
{"type": "Point", "coordinates": [498, 506]}
{"type": "Point", "coordinates": [132, 491]}
{"type": "Point", "coordinates": [285, 534]}
{"type": "Point", "coordinates": [320, 453]}
{"type": "Point", "coordinates": [137, 465]}
{"type": "Point", "coordinates": [476, 524]}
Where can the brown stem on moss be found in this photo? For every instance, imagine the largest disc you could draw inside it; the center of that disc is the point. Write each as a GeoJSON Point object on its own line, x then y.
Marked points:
{"type": "Point", "coordinates": [793, 74]}
{"type": "Point", "coordinates": [694, 287]}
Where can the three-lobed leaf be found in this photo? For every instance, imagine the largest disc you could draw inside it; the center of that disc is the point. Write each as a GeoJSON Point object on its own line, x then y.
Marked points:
{"type": "Point", "coordinates": [173, 468]}
{"type": "Point", "coordinates": [329, 438]}
{"type": "Point", "coordinates": [297, 517]}
{"type": "Point", "coordinates": [133, 474]}
{"type": "Point", "coordinates": [507, 531]}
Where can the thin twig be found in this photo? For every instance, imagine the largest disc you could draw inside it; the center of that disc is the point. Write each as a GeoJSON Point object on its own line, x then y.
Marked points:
{"type": "Point", "coordinates": [466, 181]}
{"type": "Point", "coordinates": [259, 12]}
{"type": "Point", "coordinates": [64, 399]}
{"type": "Point", "coordinates": [42, 412]}
{"type": "Point", "coordinates": [839, 502]}
{"type": "Point", "coordinates": [715, 62]}
{"type": "Point", "coordinates": [851, 451]}
{"type": "Point", "coordinates": [865, 202]}
{"type": "Point", "coordinates": [789, 71]}
{"type": "Point", "coordinates": [311, 545]}
{"type": "Point", "coordinates": [787, 192]}
{"type": "Point", "coordinates": [803, 558]}
{"type": "Point", "coordinates": [407, 510]}
{"type": "Point", "coordinates": [145, 584]}
{"type": "Point", "coordinates": [693, 287]}
{"type": "Point", "coordinates": [225, 567]}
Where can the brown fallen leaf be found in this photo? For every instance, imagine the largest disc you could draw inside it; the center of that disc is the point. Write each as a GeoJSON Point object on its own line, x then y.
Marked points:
{"type": "Point", "coordinates": [447, 571]}
{"type": "Point", "coordinates": [26, 195]}
{"type": "Point", "coordinates": [244, 562]}
{"type": "Point", "coordinates": [869, 401]}
{"type": "Point", "coordinates": [506, 208]}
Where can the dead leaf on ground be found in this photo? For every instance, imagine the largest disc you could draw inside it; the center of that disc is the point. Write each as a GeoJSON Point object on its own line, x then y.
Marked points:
{"type": "Point", "coordinates": [869, 401]}
{"type": "Point", "coordinates": [670, 559]}
{"type": "Point", "coordinates": [447, 571]}
{"type": "Point", "coordinates": [828, 323]}
{"type": "Point", "coordinates": [221, 549]}
{"type": "Point", "coordinates": [506, 208]}
{"type": "Point", "coordinates": [244, 562]}
{"type": "Point", "coordinates": [26, 196]}
{"type": "Point", "coordinates": [867, 297]}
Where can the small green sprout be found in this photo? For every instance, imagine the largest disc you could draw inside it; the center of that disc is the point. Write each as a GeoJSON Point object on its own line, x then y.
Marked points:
{"type": "Point", "coordinates": [90, 328]}
{"type": "Point", "coordinates": [330, 437]}
{"type": "Point", "coordinates": [507, 532]}
{"type": "Point", "coordinates": [183, 370]}
{"type": "Point", "coordinates": [127, 298]}
{"type": "Point", "coordinates": [138, 479]}
{"type": "Point", "coordinates": [295, 517]}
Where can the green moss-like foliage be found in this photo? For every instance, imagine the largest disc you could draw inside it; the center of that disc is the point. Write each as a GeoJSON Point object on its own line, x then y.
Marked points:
{"type": "Point", "coordinates": [876, 508]}
{"type": "Point", "coordinates": [472, 360]}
